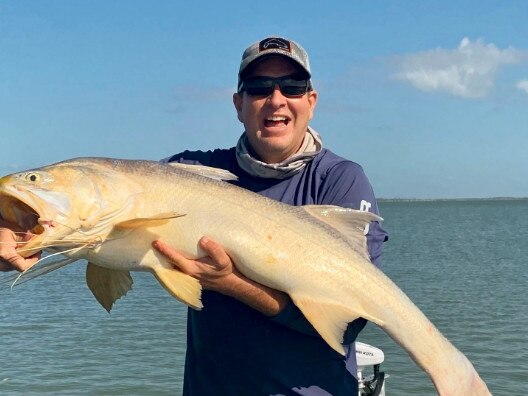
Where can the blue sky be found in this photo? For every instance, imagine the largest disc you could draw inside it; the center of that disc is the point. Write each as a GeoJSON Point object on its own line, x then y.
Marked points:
{"type": "Point", "coordinates": [430, 97]}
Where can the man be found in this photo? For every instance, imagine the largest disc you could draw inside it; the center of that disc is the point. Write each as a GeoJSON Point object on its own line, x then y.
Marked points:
{"type": "Point", "coordinates": [250, 339]}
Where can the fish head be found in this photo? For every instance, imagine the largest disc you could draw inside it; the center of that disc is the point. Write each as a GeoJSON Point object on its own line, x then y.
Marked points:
{"type": "Point", "coordinates": [69, 201]}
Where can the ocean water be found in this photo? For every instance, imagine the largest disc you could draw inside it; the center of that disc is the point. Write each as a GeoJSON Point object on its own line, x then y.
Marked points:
{"type": "Point", "coordinates": [462, 262]}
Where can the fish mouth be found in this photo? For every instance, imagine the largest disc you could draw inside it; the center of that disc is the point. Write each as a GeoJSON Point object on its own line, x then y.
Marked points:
{"type": "Point", "coordinates": [24, 218]}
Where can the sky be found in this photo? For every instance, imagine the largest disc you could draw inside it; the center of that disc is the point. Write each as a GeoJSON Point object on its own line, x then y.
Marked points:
{"type": "Point", "coordinates": [430, 97]}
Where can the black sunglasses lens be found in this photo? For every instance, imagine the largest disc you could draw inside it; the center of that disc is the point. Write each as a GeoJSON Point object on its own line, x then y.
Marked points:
{"type": "Point", "coordinates": [291, 87]}
{"type": "Point", "coordinates": [263, 86]}
{"type": "Point", "coordinates": [258, 86]}
{"type": "Point", "coordinates": [258, 90]}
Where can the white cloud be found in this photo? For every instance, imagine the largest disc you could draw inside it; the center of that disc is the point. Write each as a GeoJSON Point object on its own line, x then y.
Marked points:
{"type": "Point", "coordinates": [522, 85]}
{"type": "Point", "coordinates": [467, 71]}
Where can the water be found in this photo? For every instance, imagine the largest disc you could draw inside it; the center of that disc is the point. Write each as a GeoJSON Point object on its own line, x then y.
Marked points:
{"type": "Point", "coordinates": [463, 263]}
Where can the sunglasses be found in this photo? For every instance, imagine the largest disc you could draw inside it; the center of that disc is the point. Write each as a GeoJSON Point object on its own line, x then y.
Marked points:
{"type": "Point", "coordinates": [264, 86]}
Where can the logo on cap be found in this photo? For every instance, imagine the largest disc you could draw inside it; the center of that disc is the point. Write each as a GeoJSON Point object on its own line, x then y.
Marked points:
{"type": "Point", "coordinates": [274, 43]}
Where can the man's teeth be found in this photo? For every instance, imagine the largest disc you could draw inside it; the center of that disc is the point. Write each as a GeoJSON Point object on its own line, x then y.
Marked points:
{"type": "Point", "coordinates": [276, 121]}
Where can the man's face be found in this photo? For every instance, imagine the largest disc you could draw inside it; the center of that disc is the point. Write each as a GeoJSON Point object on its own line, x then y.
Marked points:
{"type": "Point", "coordinates": [275, 124]}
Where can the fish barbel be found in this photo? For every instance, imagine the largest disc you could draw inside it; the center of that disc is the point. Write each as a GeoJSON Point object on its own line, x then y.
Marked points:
{"type": "Point", "coordinates": [108, 211]}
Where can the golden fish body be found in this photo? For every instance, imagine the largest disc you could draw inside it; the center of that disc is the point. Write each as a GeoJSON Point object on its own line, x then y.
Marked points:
{"type": "Point", "coordinates": [109, 211]}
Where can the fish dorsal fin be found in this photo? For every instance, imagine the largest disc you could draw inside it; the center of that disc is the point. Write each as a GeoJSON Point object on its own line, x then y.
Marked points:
{"type": "Point", "coordinates": [107, 285]}
{"type": "Point", "coordinates": [152, 221]}
{"type": "Point", "coordinates": [207, 171]}
{"type": "Point", "coordinates": [349, 222]}
{"type": "Point", "coordinates": [329, 319]}
{"type": "Point", "coordinates": [181, 286]}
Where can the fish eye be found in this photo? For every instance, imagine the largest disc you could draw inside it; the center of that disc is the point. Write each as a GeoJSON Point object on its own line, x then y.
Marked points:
{"type": "Point", "coordinates": [32, 177]}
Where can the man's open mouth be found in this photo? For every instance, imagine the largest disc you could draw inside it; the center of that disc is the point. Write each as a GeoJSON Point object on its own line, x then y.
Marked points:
{"type": "Point", "coordinates": [276, 121]}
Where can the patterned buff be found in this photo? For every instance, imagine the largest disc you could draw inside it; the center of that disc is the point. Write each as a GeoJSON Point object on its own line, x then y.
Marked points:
{"type": "Point", "coordinates": [311, 146]}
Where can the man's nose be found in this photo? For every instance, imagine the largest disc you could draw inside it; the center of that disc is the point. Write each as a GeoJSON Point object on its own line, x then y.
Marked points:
{"type": "Point", "coordinates": [277, 98]}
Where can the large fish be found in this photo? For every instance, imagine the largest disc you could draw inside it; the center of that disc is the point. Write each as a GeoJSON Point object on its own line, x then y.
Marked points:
{"type": "Point", "coordinates": [108, 211]}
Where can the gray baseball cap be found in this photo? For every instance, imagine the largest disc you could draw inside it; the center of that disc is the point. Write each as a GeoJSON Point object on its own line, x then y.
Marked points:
{"type": "Point", "coordinates": [274, 46]}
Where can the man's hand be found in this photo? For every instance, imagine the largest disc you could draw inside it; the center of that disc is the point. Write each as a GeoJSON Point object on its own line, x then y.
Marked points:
{"type": "Point", "coordinates": [217, 272]}
{"type": "Point", "coordinates": [10, 259]}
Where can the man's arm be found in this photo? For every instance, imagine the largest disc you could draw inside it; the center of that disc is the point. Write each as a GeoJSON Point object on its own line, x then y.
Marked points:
{"type": "Point", "coordinates": [218, 273]}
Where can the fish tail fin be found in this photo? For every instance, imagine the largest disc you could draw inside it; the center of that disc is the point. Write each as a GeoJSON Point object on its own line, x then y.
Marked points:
{"type": "Point", "coordinates": [183, 287]}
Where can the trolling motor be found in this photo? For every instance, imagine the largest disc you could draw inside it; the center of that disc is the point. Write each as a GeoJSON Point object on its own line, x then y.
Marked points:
{"type": "Point", "coordinates": [369, 356]}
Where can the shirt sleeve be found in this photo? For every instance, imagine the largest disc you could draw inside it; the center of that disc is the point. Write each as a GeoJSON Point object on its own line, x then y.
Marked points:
{"type": "Point", "coordinates": [347, 185]}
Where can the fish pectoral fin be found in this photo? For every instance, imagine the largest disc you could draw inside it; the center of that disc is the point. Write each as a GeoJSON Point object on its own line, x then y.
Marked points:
{"type": "Point", "coordinates": [153, 221]}
{"type": "Point", "coordinates": [183, 287]}
{"type": "Point", "coordinates": [206, 171]}
{"type": "Point", "coordinates": [328, 318]}
{"type": "Point", "coordinates": [107, 285]}
{"type": "Point", "coordinates": [349, 222]}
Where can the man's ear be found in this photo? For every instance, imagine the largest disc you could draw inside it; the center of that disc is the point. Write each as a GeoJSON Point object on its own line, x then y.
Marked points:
{"type": "Point", "coordinates": [237, 101]}
{"type": "Point", "coordinates": [312, 100]}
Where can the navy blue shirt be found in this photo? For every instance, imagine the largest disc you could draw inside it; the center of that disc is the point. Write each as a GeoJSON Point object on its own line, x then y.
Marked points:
{"type": "Point", "coordinates": [233, 349]}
